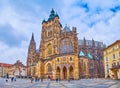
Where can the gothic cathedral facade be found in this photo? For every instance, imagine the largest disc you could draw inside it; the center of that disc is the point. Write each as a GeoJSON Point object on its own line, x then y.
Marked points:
{"type": "Point", "coordinates": [58, 53]}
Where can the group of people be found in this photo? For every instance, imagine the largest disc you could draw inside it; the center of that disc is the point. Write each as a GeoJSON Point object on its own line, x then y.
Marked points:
{"type": "Point", "coordinates": [36, 79]}
{"type": "Point", "coordinates": [12, 79]}
{"type": "Point", "coordinates": [57, 79]}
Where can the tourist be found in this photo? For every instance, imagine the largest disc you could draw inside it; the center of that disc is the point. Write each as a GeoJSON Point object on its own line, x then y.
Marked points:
{"type": "Point", "coordinates": [57, 79]}
{"type": "Point", "coordinates": [32, 79]}
{"type": "Point", "coordinates": [48, 77]}
{"type": "Point", "coordinates": [12, 79]}
{"type": "Point", "coordinates": [41, 79]}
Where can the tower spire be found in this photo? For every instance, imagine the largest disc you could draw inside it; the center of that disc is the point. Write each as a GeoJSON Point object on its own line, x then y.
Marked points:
{"type": "Point", "coordinates": [32, 43]}
{"type": "Point", "coordinates": [32, 38]}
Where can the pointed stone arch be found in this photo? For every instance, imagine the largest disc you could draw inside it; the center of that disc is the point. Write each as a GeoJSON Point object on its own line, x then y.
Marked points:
{"type": "Point", "coordinates": [71, 72]}
{"type": "Point", "coordinates": [49, 68]}
{"type": "Point", "coordinates": [64, 72]}
{"type": "Point", "coordinates": [58, 72]}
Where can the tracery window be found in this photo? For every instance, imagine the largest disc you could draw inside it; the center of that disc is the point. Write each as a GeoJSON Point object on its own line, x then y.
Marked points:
{"type": "Point", "coordinates": [84, 67]}
{"type": "Point", "coordinates": [49, 68]}
{"type": "Point", "coordinates": [49, 47]}
{"type": "Point", "coordinates": [50, 33]}
{"type": "Point", "coordinates": [91, 65]}
{"type": "Point", "coordinates": [66, 46]}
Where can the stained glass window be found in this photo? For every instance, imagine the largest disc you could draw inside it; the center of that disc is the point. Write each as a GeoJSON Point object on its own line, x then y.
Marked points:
{"type": "Point", "coordinates": [66, 46]}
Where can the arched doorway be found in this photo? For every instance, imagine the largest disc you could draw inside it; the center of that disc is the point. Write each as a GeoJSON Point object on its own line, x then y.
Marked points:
{"type": "Point", "coordinates": [71, 72]}
{"type": "Point", "coordinates": [49, 69]}
{"type": "Point", "coordinates": [64, 73]}
{"type": "Point", "coordinates": [58, 72]}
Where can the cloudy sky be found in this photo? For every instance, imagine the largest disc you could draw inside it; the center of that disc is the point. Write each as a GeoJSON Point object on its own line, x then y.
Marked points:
{"type": "Point", "coordinates": [95, 19]}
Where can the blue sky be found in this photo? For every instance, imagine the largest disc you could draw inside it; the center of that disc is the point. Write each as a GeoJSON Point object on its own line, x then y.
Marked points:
{"type": "Point", "coordinates": [95, 19]}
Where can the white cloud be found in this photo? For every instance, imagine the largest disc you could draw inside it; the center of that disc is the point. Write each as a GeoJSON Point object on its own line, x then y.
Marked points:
{"type": "Point", "coordinates": [23, 25]}
{"type": "Point", "coordinates": [105, 28]}
{"type": "Point", "coordinates": [106, 32]}
{"type": "Point", "coordinates": [11, 54]}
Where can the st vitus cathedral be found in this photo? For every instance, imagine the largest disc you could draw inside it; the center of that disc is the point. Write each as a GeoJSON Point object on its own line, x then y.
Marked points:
{"type": "Point", "coordinates": [59, 54]}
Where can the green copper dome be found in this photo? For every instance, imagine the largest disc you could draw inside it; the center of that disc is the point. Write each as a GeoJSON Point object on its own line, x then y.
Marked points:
{"type": "Point", "coordinates": [44, 21]}
{"type": "Point", "coordinates": [52, 15]}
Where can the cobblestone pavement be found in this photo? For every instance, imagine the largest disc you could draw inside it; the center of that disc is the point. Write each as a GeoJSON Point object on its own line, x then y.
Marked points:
{"type": "Point", "coordinates": [83, 83]}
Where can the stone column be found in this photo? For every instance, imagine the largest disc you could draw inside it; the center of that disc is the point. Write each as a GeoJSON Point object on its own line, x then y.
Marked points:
{"type": "Point", "coordinates": [76, 72]}
{"type": "Point", "coordinates": [68, 73]}
{"type": "Point", "coordinates": [61, 73]}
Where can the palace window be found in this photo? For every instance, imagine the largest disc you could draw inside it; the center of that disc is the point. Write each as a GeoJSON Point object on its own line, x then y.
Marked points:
{"type": "Point", "coordinates": [119, 63]}
{"type": "Point", "coordinates": [119, 46]}
{"type": "Point", "coordinates": [113, 56]}
{"type": "Point", "coordinates": [107, 68]}
{"type": "Point", "coordinates": [106, 59]}
{"type": "Point", "coordinates": [106, 52]}
{"type": "Point", "coordinates": [113, 49]}
{"type": "Point", "coordinates": [119, 54]}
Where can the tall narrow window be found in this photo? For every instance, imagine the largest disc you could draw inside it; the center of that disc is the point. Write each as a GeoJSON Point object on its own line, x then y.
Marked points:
{"type": "Point", "coordinates": [113, 56]}
{"type": "Point", "coordinates": [119, 46]}
{"type": "Point", "coordinates": [113, 49]}
{"type": "Point", "coordinates": [119, 54]}
{"type": "Point", "coordinates": [107, 68]}
{"type": "Point", "coordinates": [49, 68]}
{"type": "Point", "coordinates": [106, 59]}
{"type": "Point", "coordinates": [49, 49]}
{"type": "Point", "coordinates": [84, 67]}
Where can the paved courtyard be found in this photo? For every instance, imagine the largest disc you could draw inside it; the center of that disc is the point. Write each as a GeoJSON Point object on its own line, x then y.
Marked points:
{"type": "Point", "coordinates": [83, 83]}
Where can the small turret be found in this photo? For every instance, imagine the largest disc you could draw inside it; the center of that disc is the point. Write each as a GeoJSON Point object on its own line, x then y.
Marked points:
{"type": "Point", "coordinates": [84, 45]}
{"type": "Point", "coordinates": [93, 43]}
{"type": "Point", "coordinates": [66, 29]}
{"type": "Point", "coordinates": [44, 21]}
{"type": "Point", "coordinates": [56, 15]}
{"type": "Point", "coordinates": [52, 15]}
{"type": "Point", "coordinates": [74, 29]}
